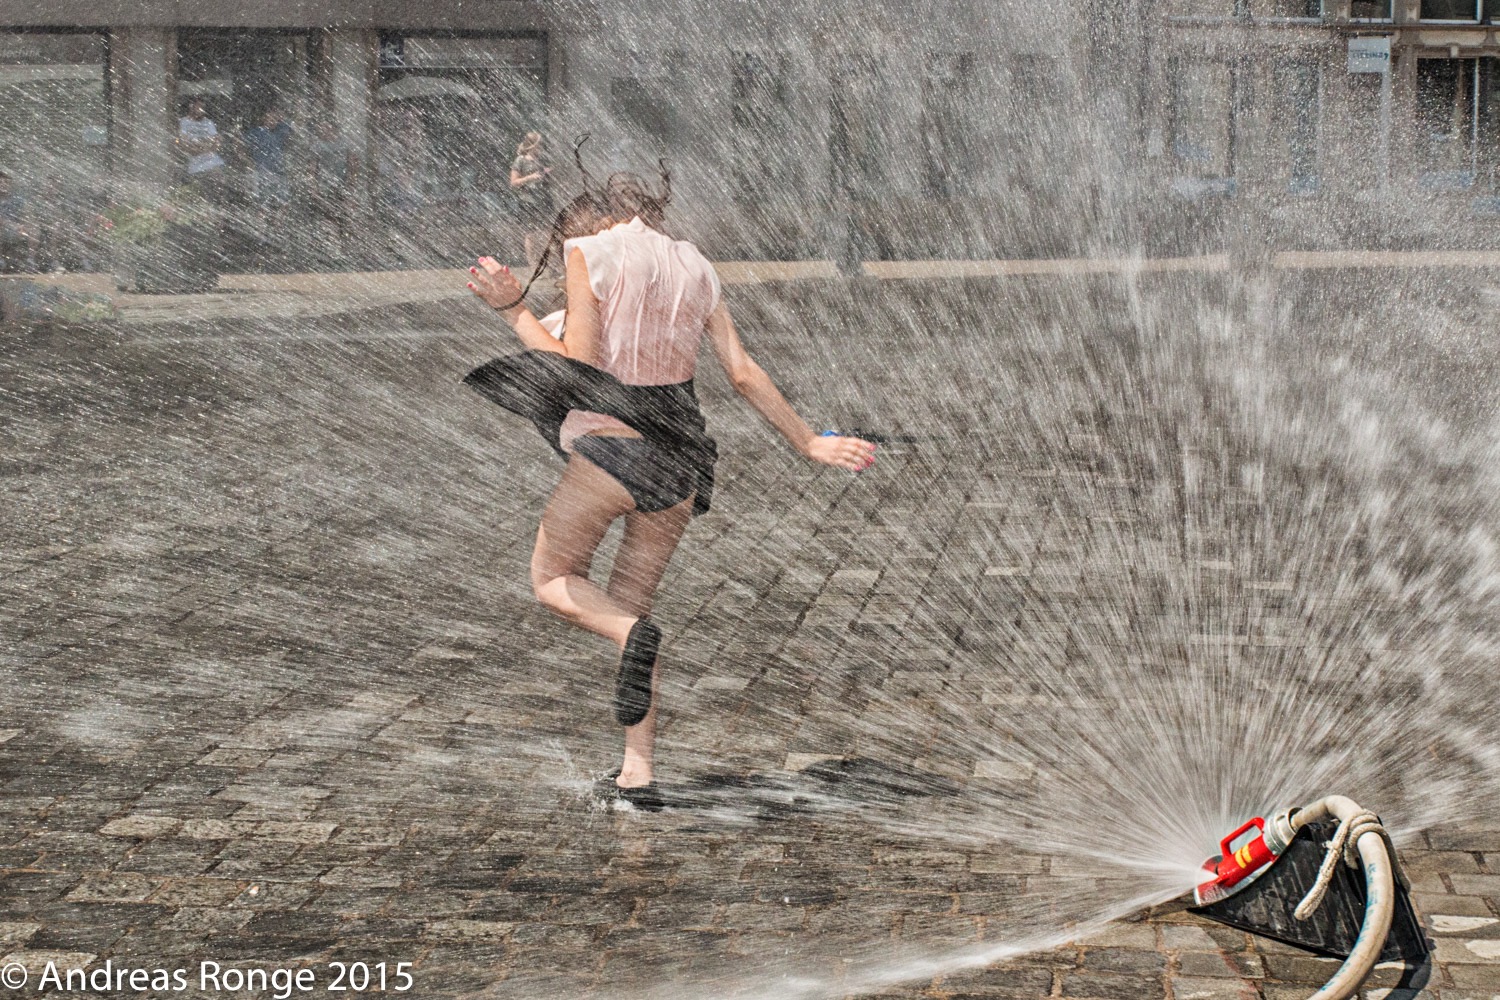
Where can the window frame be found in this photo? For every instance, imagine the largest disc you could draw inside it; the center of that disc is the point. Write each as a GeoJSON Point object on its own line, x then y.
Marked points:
{"type": "Point", "coordinates": [1390, 15]}
{"type": "Point", "coordinates": [106, 36]}
{"type": "Point", "coordinates": [1315, 18]}
{"type": "Point", "coordinates": [1478, 17]}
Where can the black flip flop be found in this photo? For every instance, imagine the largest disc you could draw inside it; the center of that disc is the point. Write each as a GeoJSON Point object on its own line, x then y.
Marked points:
{"type": "Point", "coordinates": [633, 687]}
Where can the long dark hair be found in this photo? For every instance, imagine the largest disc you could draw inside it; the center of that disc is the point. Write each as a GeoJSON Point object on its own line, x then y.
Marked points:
{"type": "Point", "coordinates": [629, 196]}
{"type": "Point", "coordinates": [622, 197]}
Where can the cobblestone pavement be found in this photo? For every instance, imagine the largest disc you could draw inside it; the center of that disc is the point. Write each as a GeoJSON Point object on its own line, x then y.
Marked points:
{"type": "Point", "coordinates": [278, 695]}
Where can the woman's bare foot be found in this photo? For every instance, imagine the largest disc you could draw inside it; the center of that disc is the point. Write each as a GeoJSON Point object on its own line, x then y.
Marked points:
{"type": "Point", "coordinates": [635, 772]}
{"type": "Point", "coordinates": [611, 794]}
{"type": "Point", "coordinates": [640, 745]}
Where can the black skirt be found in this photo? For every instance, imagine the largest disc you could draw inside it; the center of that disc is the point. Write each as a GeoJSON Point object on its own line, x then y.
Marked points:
{"type": "Point", "coordinates": [654, 480]}
{"type": "Point", "coordinates": [543, 386]}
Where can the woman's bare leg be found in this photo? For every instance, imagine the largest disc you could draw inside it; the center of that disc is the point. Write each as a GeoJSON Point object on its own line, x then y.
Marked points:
{"type": "Point", "coordinates": [587, 500]}
{"type": "Point", "coordinates": [650, 540]}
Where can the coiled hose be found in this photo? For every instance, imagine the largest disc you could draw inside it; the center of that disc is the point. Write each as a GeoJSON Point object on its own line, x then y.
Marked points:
{"type": "Point", "coordinates": [1359, 834]}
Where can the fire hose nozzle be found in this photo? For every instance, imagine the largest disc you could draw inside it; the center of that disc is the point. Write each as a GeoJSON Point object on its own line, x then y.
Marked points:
{"type": "Point", "coordinates": [1239, 865]}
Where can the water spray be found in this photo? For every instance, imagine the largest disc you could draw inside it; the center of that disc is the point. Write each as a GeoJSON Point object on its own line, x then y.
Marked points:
{"type": "Point", "coordinates": [1286, 883]}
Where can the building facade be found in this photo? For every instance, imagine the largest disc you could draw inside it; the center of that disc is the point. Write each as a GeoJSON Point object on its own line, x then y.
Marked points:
{"type": "Point", "coordinates": [877, 130]}
{"type": "Point", "coordinates": [802, 129]}
{"type": "Point", "coordinates": [1375, 119]}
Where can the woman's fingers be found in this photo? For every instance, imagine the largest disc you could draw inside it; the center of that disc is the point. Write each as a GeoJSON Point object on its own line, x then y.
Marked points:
{"type": "Point", "coordinates": [862, 453]}
{"type": "Point", "coordinates": [844, 452]}
{"type": "Point", "coordinates": [493, 282]}
{"type": "Point", "coordinates": [482, 285]}
{"type": "Point", "coordinates": [497, 274]}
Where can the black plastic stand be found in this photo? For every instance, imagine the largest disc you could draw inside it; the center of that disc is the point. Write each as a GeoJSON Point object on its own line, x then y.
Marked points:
{"type": "Point", "coordinates": [1266, 906]}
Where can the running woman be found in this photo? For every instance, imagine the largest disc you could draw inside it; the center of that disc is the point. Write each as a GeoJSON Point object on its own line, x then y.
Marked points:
{"type": "Point", "coordinates": [615, 394]}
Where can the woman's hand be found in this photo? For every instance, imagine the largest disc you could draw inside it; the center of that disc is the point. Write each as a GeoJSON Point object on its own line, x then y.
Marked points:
{"type": "Point", "coordinates": [500, 289]}
{"type": "Point", "coordinates": [850, 453]}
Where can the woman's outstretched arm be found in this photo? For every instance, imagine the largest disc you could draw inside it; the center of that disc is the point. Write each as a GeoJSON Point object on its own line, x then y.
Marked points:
{"type": "Point", "coordinates": [493, 282]}
{"type": "Point", "coordinates": [498, 287]}
{"type": "Point", "coordinates": [757, 389]}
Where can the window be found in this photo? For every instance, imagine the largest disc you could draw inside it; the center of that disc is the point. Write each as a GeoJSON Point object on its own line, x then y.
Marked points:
{"type": "Point", "coordinates": [1035, 80]}
{"type": "Point", "coordinates": [947, 96]}
{"type": "Point", "coordinates": [1038, 155]}
{"type": "Point", "coordinates": [238, 74]}
{"type": "Point", "coordinates": [1302, 9]}
{"type": "Point", "coordinates": [54, 133]}
{"type": "Point", "coordinates": [1206, 8]}
{"type": "Point", "coordinates": [642, 103]}
{"type": "Point", "coordinates": [1202, 122]}
{"type": "Point", "coordinates": [1458, 123]}
{"type": "Point", "coordinates": [857, 140]}
{"type": "Point", "coordinates": [760, 94]}
{"type": "Point", "coordinates": [451, 110]}
{"type": "Point", "coordinates": [1356, 131]}
{"type": "Point", "coordinates": [1487, 125]}
{"type": "Point", "coordinates": [54, 109]}
{"type": "Point", "coordinates": [1449, 94]}
{"type": "Point", "coordinates": [636, 107]}
{"type": "Point", "coordinates": [1300, 114]}
{"type": "Point", "coordinates": [1370, 10]}
{"type": "Point", "coordinates": [1451, 10]}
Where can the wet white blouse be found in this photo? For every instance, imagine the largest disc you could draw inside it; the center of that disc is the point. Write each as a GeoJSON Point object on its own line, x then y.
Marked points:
{"type": "Point", "coordinates": [655, 296]}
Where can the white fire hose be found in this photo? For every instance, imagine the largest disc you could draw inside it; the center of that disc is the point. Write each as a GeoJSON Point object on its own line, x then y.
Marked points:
{"type": "Point", "coordinates": [1359, 833]}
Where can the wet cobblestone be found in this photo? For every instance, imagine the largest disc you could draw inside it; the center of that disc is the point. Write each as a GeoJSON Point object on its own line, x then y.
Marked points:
{"type": "Point", "coordinates": [270, 677]}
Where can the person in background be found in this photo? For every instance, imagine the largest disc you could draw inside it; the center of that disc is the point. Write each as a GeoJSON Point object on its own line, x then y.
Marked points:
{"type": "Point", "coordinates": [198, 138]}
{"type": "Point", "coordinates": [529, 181]}
{"type": "Point", "coordinates": [266, 143]}
{"type": "Point", "coordinates": [405, 166]}
{"type": "Point", "coordinates": [18, 237]}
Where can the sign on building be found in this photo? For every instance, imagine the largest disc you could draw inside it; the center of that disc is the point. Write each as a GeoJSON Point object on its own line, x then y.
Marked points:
{"type": "Point", "coordinates": [526, 52]}
{"type": "Point", "coordinates": [1370, 54]}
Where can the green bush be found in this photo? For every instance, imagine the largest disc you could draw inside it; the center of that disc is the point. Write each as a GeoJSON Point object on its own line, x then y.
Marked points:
{"type": "Point", "coordinates": [143, 221]}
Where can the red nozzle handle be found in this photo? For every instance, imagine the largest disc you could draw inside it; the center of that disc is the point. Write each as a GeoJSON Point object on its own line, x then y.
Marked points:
{"type": "Point", "coordinates": [1258, 822]}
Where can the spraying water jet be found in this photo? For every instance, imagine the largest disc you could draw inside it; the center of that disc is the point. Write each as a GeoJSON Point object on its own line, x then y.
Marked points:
{"type": "Point", "coordinates": [1286, 883]}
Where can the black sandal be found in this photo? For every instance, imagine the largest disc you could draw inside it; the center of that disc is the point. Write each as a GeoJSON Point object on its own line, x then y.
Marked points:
{"type": "Point", "coordinates": [633, 687]}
